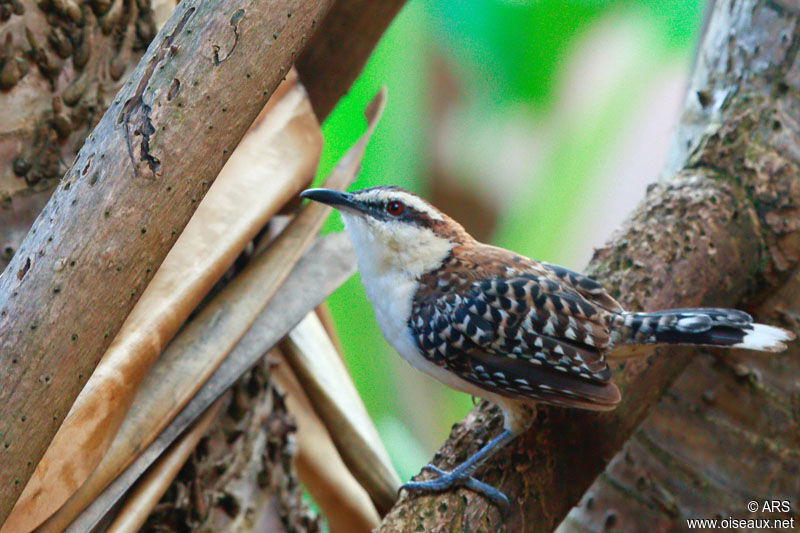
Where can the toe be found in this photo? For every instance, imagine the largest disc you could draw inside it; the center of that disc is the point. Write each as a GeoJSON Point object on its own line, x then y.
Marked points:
{"type": "Point", "coordinates": [448, 480]}
{"type": "Point", "coordinates": [490, 493]}
{"type": "Point", "coordinates": [436, 469]}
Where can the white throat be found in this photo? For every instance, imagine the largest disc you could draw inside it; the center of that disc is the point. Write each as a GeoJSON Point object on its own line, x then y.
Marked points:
{"type": "Point", "coordinates": [396, 249]}
{"type": "Point", "coordinates": [391, 258]}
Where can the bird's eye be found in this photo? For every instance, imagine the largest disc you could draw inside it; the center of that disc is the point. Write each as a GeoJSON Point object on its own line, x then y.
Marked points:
{"type": "Point", "coordinates": [394, 208]}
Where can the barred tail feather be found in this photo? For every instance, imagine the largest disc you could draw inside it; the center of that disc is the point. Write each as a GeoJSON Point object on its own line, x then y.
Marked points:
{"type": "Point", "coordinates": [708, 327]}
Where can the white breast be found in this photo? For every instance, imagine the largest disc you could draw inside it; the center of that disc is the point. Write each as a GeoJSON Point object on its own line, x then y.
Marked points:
{"type": "Point", "coordinates": [391, 297]}
{"type": "Point", "coordinates": [390, 288]}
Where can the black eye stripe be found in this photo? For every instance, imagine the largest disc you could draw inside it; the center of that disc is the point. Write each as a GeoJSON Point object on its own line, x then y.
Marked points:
{"type": "Point", "coordinates": [379, 209]}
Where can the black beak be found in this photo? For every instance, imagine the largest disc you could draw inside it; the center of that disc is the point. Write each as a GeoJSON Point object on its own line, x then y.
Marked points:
{"type": "Point", "coordinates": [331, 197]}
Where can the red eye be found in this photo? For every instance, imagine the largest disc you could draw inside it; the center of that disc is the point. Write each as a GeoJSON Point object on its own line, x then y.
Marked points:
{"type": "Point", "coordinates": [394, 208]}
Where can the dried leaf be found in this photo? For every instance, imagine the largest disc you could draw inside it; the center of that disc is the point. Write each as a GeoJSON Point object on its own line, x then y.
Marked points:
{"type": "Point", "coordinates": [325, 380]}
{"type": "Point", "coordinates": [158, 479]}
{"type": "Point", "coordinates": [324, 314]}
{"type": "Point", "coordinates": [276, 158]}
{"type": "Point", "coordinates": [344, 502]}
{"type": "Point", "coordinates": [204, 342]}
{"type": "Point", "coordinates": [329, 262]}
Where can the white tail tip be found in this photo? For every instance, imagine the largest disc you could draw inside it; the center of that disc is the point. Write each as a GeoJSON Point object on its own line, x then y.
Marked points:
{"type": "Point", "coordinates": [765, 338]}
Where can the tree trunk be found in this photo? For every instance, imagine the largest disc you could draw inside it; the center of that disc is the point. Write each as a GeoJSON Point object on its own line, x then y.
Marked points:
{"type": "Point", "coordinates": [61, 64]}
{"type": "Point", "coordinates": [724, 435]}
{"type": "Point", "coordinates": [725, 432]}
{"type": "Point", "coordinates": [128, 195]}
{"type": "Point", "coordinates": [338, 51]}
{"type": "Point", "coordinates": [721, 229]}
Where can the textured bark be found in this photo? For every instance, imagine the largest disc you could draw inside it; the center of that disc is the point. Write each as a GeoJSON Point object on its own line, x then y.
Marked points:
{"type": "Point", "coordinates": [252, 489]}
{"type": "Point", "coordinates": [722, 229]}
{"type": "Point", "coordinates": [338, 51]}
{"type": "Point", "coordinates": [726, 432]}
{"type": "Point", "coordinates": [61, 63]}
{"type": "Point", "coordinates": [56, 113]}
{"type": "Point", "coordinates": [121, 205]}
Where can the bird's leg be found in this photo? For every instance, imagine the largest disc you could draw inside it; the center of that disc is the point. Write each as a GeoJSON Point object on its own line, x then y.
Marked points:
{"type": "Point", "coordinates": [461, 476]}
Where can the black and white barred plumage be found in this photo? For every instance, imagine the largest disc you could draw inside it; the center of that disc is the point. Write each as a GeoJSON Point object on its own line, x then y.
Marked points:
{"type": "Point", "coordinates": [501, 326]}
{"type": "Point", "coordinates": [519, 333]}
{"type": "Point", "coordinates": [532, 330]}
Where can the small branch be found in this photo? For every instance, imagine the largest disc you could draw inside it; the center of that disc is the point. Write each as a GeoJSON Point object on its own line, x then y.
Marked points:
{"type": "Point", "coordinates": [338, 51]}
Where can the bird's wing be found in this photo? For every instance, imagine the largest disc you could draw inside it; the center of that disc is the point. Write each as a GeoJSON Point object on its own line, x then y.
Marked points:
{"type": "Point", "coordinates": [588, 288]}
{"type": "Point", "coordinates": [520, 336]}
{"type": "Point", "coordinates": [506, 262]}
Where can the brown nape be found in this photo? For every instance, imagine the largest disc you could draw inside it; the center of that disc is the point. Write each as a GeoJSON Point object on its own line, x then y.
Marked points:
{"type": "Point", "coordinates": [449, 229]}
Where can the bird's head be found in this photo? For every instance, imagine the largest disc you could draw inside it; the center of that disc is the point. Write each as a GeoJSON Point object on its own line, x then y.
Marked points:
{"type": "Point", "coordinates": [393, 229]}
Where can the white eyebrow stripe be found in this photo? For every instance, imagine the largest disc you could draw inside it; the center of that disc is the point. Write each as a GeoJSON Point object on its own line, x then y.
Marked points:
{"type": "Point", "coordinates": [411, 200]}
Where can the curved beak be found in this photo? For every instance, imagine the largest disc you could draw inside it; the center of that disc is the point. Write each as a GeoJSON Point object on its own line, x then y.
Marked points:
{"type": "Point", "coordinates": [331, 197]}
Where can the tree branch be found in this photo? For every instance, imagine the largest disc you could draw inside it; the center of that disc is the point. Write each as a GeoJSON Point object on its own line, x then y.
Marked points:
{"type": "Point", "coordinates": [723, 227]}
{"type": "Point", "coordinates": [60, 68]}
{"type": "Point", "coordinates": [735, 406]}
{"type": "Point", "coordinates": [723, 435]}
{"type": "Point", "coordinates": [130, 192]}
{"type": "Point", "coordinates": [338, 51]}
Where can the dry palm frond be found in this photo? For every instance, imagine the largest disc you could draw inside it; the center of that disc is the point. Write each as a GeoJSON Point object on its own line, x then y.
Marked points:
{"type": "Point", "coordinates": [203, 344]}
{"type": "Point", "coordinates": [324, 378]}
{"type": "Point", "coordinates": [276, 158]}
{"type": "Point", "coordinates": [344, 502]}
{"type": "Point", "coordinates": [147, 493]}
{"type": "Point", "coordinates": [326, 265]}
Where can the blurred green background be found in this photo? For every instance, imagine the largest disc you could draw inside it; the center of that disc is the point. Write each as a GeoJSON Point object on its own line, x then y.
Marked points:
{"type": "Point", "coordinates": [537, 125]}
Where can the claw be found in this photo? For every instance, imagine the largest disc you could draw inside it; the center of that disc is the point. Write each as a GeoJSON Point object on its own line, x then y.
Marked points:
{"type": "Point", "coordinates": [436, 469]}
{"type": "Point", "coordinates": [447, 480]}
{"type": "Point", "coordinates": [462, 475]}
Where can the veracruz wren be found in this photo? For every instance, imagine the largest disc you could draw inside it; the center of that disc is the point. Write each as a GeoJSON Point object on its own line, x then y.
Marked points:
{"type": "Point", "coordinates": [500, 326]}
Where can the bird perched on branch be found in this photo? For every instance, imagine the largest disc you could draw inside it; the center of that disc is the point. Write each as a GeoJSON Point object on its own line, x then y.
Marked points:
{"type": "Point", "coordinates": [503, 327]}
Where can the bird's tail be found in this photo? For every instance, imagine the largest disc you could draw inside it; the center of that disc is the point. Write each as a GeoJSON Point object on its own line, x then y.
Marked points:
{"type": "Point", "coordinates": [708, 327]}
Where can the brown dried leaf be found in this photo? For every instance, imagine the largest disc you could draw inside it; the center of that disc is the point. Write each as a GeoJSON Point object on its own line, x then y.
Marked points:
{"type": "Point", "coordinates": [275, 159]}
{"type": "Point", "coordinates": [158, 479]}
{"type": "Point", "coordinates": [340, 497]}
{"type": "Point", "coordinates": [162, 9]}
{"type": "Point", "coordinates": [324, 314]}
{"type": "Point", "coordinates": [325, 379]}
{"type": "Point", "coordinates": [204, 342]}
{"type": "Point", "coordinates": [326, 265]}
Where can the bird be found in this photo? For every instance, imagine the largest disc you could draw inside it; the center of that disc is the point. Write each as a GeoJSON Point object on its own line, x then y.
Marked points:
{"type": "Point", "coordinates": [501, 326]}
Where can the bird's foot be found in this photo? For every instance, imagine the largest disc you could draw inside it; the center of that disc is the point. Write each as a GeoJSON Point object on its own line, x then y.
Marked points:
{"type": "Point", "coordinates": [449, 480]}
